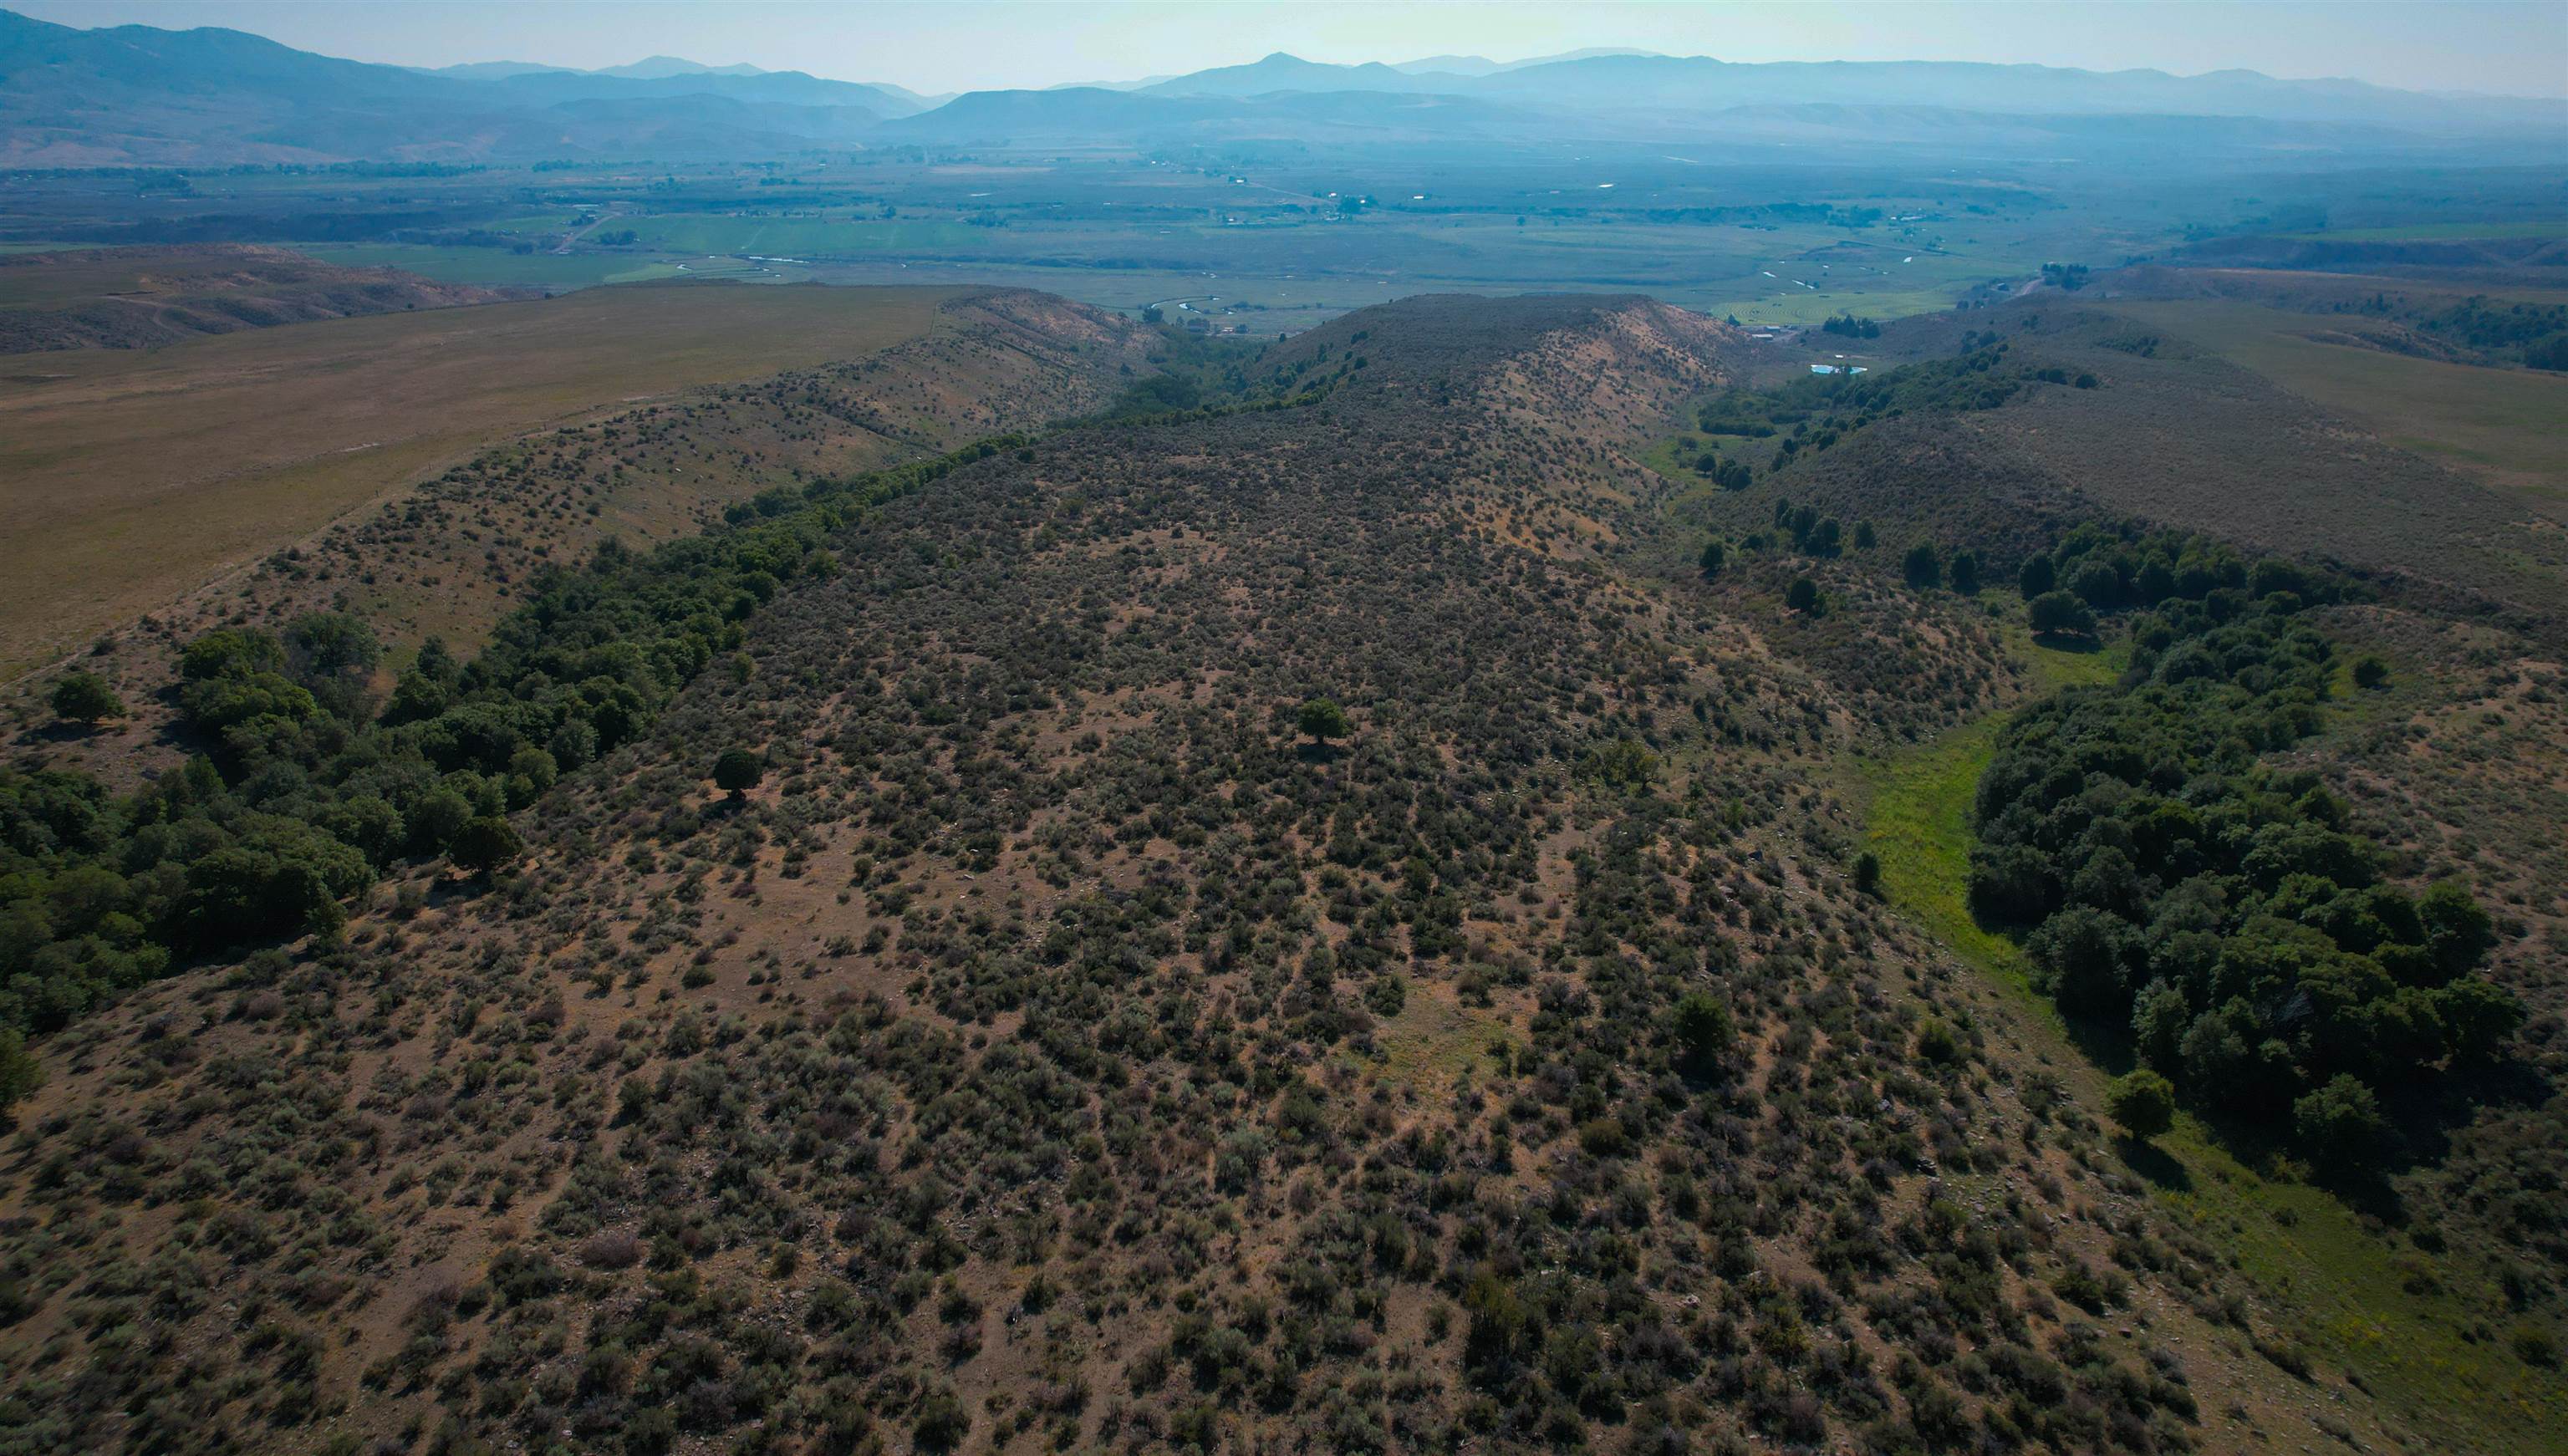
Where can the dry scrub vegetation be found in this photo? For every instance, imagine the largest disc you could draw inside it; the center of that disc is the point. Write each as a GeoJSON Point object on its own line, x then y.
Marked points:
{"type": "Point", "coordinates": [1041, 1044]}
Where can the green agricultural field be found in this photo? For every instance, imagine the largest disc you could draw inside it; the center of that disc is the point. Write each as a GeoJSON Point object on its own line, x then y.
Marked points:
{"type": "Point", "coordinates": [135, 475]}
{"type": "Point", "coordinates": [798, 236]}
{"type": "Point", "coordinates": [1186, 237]}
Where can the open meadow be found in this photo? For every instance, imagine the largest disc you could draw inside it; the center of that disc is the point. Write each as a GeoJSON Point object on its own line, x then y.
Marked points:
{"type": "Point", "coordinates": [2501, 426]}
{"type": "Point", "coordinates": [131, 474]}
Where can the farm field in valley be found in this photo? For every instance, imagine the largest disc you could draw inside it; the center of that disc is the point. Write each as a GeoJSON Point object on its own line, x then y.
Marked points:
{"type": "Point", "coordinates": [129, 473]}
{"type": "Point", "coordinates": [2500, 424]}
{"type": "Point", "coordinates": [495, 267]}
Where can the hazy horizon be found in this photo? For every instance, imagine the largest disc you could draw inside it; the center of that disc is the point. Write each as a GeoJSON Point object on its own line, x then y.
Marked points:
{"type": "Point", "coordinates": [964, 45]}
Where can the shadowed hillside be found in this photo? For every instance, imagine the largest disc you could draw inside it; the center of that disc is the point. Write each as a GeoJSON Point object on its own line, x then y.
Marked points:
{"type": "Point", "coordinates": [139, 298]}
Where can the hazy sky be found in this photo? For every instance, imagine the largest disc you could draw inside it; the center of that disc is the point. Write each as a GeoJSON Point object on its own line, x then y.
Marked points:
{"type": "Point", "coordinates": [2514, 48]}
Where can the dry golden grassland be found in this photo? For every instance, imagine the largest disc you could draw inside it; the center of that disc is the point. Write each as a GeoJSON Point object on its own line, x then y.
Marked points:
{"type": "Point", "coordinates": [128, 478]}
{"type": "Point", "coordinates": [2501, 426]}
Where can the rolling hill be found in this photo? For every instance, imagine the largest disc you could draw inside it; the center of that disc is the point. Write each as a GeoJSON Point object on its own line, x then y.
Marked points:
{"type": "Point", "coordinates": [1056, 1025]}
{"type": "Point", "coordinates": [138, 298]}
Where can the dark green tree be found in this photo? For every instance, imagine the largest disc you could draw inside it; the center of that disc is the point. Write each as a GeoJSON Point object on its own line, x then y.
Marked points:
{"type": "Point", "coordinates": [738, 772]}
{"type": "Point", "coordinates": [2036, 577]}
{"type": "Point", "coordinates": [1923, 568]}
{"type": "Point", "coordinates": [2476, 1015]}
{"type": "Point", "coordinates": [2370, 671]}
{"type": "Point", "coordinates": [2459, 931]}
{"type": "Point", "coordinates": [1966, 573]}
{"type": "Point", "coordinates": [1867, 872]}
{"type": "Point", "coordinates": [330, 643]}
{"type": "Point", "coordinates": [2143, 1103]}
{"type": "Point", "coordinates": [2097, 584]}
{"type": "Point", "coordinates": [1495, 1337]}
{"type": "Point", "coordinates": [433, 822]}
{"type": "Point", "coordinates": [85, 697]}
{"type": "Point", "coordinates": [1323, 719]}
{"type": "Point", "coordinates": [486, 842]}
{"type": "Point", "coordinates": [1705, 1030]}
{"type": "Point", "coordinates": [20, 1072]}
{"type": "Point", "coordinates": [2339, 1124]}
{"type": "Point", "coordinates": [1802, 595]}
{"type": "Point", "coordinates": [1714, 553]}
{"type": "Point", "coordinates": [230, 651]}
{"type": "Point", "coordinates": [2160, 1016]}
{"type": "Point", "coordinates": [2076, 959]}
{"type": "Point", "coordinates": [2058, 614]}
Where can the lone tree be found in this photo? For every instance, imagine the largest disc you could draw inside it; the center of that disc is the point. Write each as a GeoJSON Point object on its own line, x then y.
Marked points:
{"type": "Point", "coordinates": [1924, 569]}
{"type": "Point", "coordinates": [2058, 613]}
{"type": "Point", "coordinates": [738, 772]}
{"type": "Point", "coordinates": [1867, 872]}
{"type": "Point", "coordinates": [2370, 671]}
{"type": "Point", "coordinates": [1703, 1028]}
{"type": "Point", "coordinates": [1714, 553]}
{"type": "Point", "coordinates": [1324, 719]}
{"type": "Point", "coordinates": [2143, 1103]}
{"type": "Point", "coordinates": [1802, 595]}
{"type": "Point", "coordinates": [485, 843]}
{"type": "Point", "coordinates": [85, 697]}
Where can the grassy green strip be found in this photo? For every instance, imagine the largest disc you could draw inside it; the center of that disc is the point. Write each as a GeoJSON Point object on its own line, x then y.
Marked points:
{"type": "Point", "coordinates": [2411, 1328]}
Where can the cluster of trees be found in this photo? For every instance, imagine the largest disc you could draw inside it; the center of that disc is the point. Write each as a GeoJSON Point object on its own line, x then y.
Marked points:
{"type": "Point", "coordinates": [1925, 567]}
{"type": "Point", "coordinates": [309, 790]}
{"type": "Point", "coordinates": [1705, 460]}
{"type": "Point", "coordinates": [1201, 379]}
{"type": "Point", "coordinates": [2538, 330]}
{"type": "Point", "coordinates": [263, 837]}
{"type": "Point", "coordinates": [2097, 571]}
{"type": "Point", "coordinates": [1814, 413]}
{"type": "Point", "coordinates": [2220, 909]}
{"type": "Point", "coordinates": [1853, 326]}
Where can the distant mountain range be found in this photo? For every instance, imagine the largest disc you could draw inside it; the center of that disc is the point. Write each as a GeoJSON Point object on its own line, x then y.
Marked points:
{"type": "Point", "coordinates": [1630, 81]}
{"type": "Point", "coordinates": [139, 94]}
{"type": "Point", "coordinates": [1483, 66]}
{"type": "Point", "coordinates": [649, 68]}
{"type": "Point", "coordinates": [656, 68]}
{"type": "Point", "coordinates": [136, 94]}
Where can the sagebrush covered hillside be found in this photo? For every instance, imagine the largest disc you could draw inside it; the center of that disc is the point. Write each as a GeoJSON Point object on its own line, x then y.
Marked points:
{"type": "Point", "coordinates": [996, 1006]}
